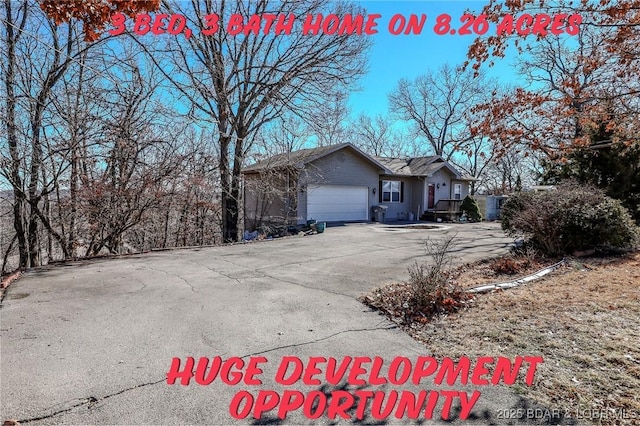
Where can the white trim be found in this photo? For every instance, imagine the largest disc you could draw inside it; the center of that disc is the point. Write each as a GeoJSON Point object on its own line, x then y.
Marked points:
{"type": "Point", "coordinates": [457, 185]}
{"type": "Point", "coordinates": [337, 203]}
{"type": "Point", "coordinates": [400, 195]}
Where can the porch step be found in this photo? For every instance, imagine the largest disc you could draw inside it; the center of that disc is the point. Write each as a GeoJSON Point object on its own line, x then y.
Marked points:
{"type": "Point", "coordinates": [428, 216]}
{"type": "Point", "coordinates": [444, 215]}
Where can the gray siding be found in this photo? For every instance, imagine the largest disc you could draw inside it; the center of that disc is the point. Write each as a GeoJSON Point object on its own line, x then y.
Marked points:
{"type": "Point", "coordinates": [446, 191]}
{"type": "Point", "coordinates": [274, 198]}
{"type": "Point", "coordinates": [400, 210]}
{"type": "Point", "coordinates": [439, 178]}
{"type": "Point", "coordinates": [465, 188]}
{"type": "Point", "coordinates": [269, 199]}
{"type": "Point", "coordinates": [251, 201]}
{"type": "Point", "coordinates": [418, 205]}
{"type": "Point", "coordinates": [344, 167]}
{"type": "Point", "coordinates": [302, 206]}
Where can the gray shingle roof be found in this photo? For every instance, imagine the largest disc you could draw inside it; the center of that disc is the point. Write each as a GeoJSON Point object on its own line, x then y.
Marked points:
{"type": "Point", "coordinates": [293, 159]}
{"type": "Point", "coordinates": [301, 157]}
{"type": "Point", "coordinates": [416, 166]}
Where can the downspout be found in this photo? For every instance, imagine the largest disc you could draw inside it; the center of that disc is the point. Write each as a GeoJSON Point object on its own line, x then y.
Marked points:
{"type": "Point", "coordinates": [244, 206]}
{"type": "Point", "coordinates": [287, 198]}
{"type": "Point", "coordinates": [424, 183]}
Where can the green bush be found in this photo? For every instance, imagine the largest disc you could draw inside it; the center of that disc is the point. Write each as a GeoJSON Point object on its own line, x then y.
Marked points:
{"type": "Point", "coordinates": [470, 207]}
{"type": "Point", "coordinates": [569, 218]}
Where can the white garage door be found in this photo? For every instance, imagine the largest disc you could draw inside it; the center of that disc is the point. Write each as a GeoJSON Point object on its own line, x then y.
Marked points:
{"type": "Point", "coordinates": [336, 203]}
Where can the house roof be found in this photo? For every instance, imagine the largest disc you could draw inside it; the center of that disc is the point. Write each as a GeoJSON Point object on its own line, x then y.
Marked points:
{"type": "Point", "coordinates": [420, 166]}
{"type": "Point", "coordinates": [416, 166]}
{"type": "Point", "coordinates": [301, 157]}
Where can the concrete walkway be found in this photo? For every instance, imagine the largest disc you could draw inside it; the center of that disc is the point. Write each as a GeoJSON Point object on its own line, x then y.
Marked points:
{"type": "Point", "coordinates": [91, 342]}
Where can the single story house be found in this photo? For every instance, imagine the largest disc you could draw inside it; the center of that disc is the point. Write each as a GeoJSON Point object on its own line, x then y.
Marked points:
{"type": "Point", "coordinates": [343, 183]}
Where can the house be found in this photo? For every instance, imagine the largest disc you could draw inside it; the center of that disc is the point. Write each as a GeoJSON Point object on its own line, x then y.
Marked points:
{"type": "Point", "coordinates": [343, 183]}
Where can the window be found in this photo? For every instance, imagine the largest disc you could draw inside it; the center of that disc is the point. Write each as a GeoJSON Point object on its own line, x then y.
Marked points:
{"type": "Point", "coordinates": [391, 191]}
{"type": "Point", "coordinates": [457, 191]}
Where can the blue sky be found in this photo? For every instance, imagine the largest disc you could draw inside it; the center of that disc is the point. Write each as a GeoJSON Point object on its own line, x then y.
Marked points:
{"type": "Point", "coordinates": [407, 56]}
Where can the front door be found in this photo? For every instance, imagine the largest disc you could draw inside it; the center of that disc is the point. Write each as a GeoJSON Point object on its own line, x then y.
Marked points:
{"type": "Point", "coordinates": [431, 200]}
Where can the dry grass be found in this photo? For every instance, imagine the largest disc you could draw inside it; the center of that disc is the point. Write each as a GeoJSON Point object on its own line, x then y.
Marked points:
{"type": "Point", "coordinates": [584, 320]}
{"type": "Point", "coordinates": [585, 323]}
{"type": "Point", "coordinates": [491, 271]}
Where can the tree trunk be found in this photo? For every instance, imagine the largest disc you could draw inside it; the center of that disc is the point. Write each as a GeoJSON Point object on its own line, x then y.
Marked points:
{"type": "Point", "coordinates": [7, 252]}
{"type": "Point", "coordinates": [12, 136]}
{"type": "Point", "coordinates": [34, 178]}
{"type": "Point", "coordinates": [226, 202]}
{"type": "Point", "coordinates": [233, 202]}
{"type": "Point", "coordinates": [73, 199]}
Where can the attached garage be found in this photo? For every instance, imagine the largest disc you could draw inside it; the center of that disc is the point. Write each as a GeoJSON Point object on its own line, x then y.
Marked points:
{"type": "Point", "coordinates": [332, 203]}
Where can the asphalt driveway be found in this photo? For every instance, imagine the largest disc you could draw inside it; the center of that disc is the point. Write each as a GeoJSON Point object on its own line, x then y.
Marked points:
{"type": "Point", "coordinates": [91, 342]}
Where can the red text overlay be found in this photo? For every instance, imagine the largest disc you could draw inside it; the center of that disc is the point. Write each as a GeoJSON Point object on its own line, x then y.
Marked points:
{"type": "Point", "coordinates": [538, 25]}
{"type": "Point", "coordinates": [423, 373]}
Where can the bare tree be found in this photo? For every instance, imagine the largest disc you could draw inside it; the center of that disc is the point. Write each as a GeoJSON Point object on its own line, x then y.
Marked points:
{"type": "Point", "coordinates": [377, 136]}
{"type": "Point", "coordinates": [134, 159]}
{"type": "Point", "coordinates": [327, 119]}
{"type": "Point", "coordinates": [38, 54]}
{"type": "Point", "coordinates": [477, 155]}
{"type": "Point", "coordinates": [239, 83]}
{"type": "Point", "coordinates": [437, 105]}
{"type": "Point", "coordinates": [505, 173]}
{"type": "Point", "coordinates": [286, 133]}
{"type": "Point", "coordinates": [97, 158]}
{"type": "Point", "coordinates": [15, 23]}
